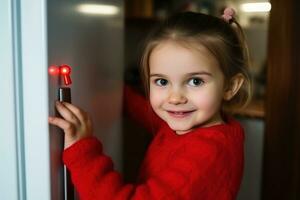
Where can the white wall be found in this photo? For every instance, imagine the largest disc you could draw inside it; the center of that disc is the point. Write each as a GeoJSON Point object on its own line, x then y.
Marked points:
{"type": "Point", "coordinates": [8, 124]}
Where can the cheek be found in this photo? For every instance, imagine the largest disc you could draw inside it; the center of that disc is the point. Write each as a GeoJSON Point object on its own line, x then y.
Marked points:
{"type": "Point", "coordinates": [208, 100]}
{"type": "Point", "coordinates": [155, 98]}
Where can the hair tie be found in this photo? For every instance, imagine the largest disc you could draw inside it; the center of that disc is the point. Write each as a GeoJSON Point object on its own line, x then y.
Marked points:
{"type": "Point", "coordinates": [228, 14]}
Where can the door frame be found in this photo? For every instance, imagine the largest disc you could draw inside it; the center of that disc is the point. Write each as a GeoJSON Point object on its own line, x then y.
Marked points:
{"type": "Point", "coordinates": [281, 177]}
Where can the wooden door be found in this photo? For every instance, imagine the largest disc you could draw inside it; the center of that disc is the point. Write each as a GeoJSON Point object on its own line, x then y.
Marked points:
{"type": "Point", "coordinates": [281, 173]}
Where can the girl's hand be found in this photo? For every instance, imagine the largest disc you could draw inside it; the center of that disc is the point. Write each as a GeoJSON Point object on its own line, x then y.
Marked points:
{"type": "Point", "coordinates": [75, 122]}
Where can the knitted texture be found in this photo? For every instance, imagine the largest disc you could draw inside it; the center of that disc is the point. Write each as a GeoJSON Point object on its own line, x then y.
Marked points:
{"type": "Point", "coordinates": [206, 163]}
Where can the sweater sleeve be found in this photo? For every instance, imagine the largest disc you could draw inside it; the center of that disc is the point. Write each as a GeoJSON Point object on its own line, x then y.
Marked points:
{"type": "Point", "coordinates": [186, 178]}
{"type": "Point", "coordinates": [139, 109]}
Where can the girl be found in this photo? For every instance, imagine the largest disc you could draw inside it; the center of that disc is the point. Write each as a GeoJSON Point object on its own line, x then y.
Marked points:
{"type": "Point", "coordinates": [194, 67]}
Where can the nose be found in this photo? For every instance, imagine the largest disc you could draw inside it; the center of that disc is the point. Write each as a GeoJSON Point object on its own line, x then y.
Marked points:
{"type": "Point", "coordinates": [177, 97]}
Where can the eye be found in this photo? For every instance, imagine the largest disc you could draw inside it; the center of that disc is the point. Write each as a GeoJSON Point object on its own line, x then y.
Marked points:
{"type": "Point", "coordinates": [195, 82]}
{"type": "Point", "coordinates": [161, 82]}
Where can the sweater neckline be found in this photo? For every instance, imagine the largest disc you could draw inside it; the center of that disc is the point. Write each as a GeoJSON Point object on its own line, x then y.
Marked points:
{"type": "Point", "coordinates": [228, 122]}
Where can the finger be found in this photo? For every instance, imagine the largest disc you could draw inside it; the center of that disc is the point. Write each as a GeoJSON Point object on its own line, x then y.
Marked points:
{"type": "Point", "coordinates": [66, 113]}
{"type": "Point", "coordinates": [80, 114]}
{"type": "Point", "coordinates": [63, 124]}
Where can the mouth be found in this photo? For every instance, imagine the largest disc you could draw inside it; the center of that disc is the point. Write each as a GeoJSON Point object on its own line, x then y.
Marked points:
{"type": "Point", "coordinates": [180, 114]}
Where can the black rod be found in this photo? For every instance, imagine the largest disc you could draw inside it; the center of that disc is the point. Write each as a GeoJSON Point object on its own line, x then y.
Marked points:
{"type": "Point", "coordinates": [64, 95]}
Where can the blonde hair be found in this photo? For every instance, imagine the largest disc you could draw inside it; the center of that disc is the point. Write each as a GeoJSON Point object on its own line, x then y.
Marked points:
{"type": "Point", "coordinates": [223, 40]}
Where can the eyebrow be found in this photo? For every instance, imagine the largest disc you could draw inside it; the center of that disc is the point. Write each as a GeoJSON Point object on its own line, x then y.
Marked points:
{"type": "Point", "coordinates": [199, 73]}
{"type": "Point", "coordinates": [188, 74]}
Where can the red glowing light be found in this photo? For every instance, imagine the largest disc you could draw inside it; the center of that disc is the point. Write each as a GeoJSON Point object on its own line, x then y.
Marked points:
{"type": "Point", "coordinates": [53, 70]}
{"type": "Point", "coordinates": [65, 70]}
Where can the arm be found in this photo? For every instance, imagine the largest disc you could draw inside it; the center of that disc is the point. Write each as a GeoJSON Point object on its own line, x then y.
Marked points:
{"type": "Point", "coordinates": [186, 178]}
{"type": "Point", "coordinates": [140, 109]}
{"type": "Point", "coordinates": [198, 171]}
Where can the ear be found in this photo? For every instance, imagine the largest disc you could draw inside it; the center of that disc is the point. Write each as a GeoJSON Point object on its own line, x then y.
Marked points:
{"type": "Point", "coordinates": [233, 86]}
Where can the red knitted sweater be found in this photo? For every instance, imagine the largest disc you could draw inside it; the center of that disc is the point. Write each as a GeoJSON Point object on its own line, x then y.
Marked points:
{"type": "Point", "coordinates": [206, 163]}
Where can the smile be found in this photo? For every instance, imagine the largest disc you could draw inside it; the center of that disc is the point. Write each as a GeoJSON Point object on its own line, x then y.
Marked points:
{"type": "Point", "coordinates": [180, 114]}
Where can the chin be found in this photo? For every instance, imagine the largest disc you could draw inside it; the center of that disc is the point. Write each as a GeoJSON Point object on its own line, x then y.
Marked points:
{"type": "Point", "coordinates": [180, 128]}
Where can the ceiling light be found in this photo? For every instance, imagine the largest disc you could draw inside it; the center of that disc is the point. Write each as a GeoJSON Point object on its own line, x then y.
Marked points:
{"type": "Point", "coordinates": [256, 7]}
{"type": "Point", "coordinates": [97, 9]}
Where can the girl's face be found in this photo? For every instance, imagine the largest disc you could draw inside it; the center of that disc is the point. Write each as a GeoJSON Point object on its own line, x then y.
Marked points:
{"type": "Point", "coordinates": [186, 86]}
